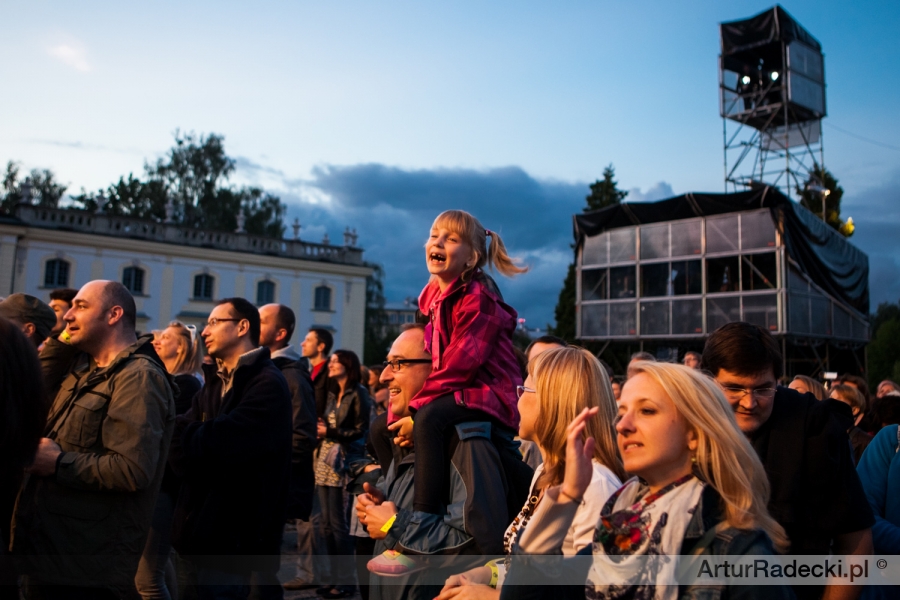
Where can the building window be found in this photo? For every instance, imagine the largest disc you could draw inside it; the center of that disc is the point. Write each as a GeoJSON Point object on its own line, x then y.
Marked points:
{"type": "Point", "coordinates": [133, 279]}
{"type": "Point", "coordinates": [56, 273]}
{"type": "Point", "coordinates": [393, 319]}
{"type": "Point", "coordinates": [203, 286]}
{"type": "Point", "coordinates": [265, 292]}
{"type": "Point", "coordinates": [323, 298]}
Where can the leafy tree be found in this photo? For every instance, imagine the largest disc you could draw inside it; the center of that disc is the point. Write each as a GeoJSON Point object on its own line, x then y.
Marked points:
{"type": "Point", "coordinates": [193, 176]}
{"type": "Point", "coordinates": [378, 336]}
{"type": "Point", "coordinates": [45, 190]}
{"type": "Point", "coordinates": [884, 349]}
{"type": "Point", "coordinates": [604, 192]}
{"type": "Point", "coordinates": [811, 197]}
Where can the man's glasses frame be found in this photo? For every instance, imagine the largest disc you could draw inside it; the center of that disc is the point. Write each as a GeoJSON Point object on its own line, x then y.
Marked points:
{"type": "Point", "coordinates": [397, 363]}
{"type": "Point", "coordinates": [737, 393]}
{"type": "Point", "coordinates": [214, 321]}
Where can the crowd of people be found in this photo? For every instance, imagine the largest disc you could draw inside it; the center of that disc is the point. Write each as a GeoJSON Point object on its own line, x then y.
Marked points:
{"type": "Point", "coordinates": [176, 464]}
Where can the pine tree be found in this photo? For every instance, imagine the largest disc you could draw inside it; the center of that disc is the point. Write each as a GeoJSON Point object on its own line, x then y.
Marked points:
{"type": "Point", "coordinates": [604, 192]}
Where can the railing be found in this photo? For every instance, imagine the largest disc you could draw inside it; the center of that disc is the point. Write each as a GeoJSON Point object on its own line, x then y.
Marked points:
{"type": "Point", "coordinates": [123, 226]}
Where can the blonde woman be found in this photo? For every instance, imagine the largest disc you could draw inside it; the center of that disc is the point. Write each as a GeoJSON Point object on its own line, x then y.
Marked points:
{"type": "Point", "coordinates": [699, 488]}
{"type": "Point", "coordinates": [178, 346]}
{"type": "Point", "coordinates": [561, 383]}
{"type": "Point", "coordinates": [808, 385]}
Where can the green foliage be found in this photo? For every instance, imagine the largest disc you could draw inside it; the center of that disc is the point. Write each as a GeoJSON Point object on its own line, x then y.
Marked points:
{"type": "Point", "coordinates": [193, 175]}
{"type": "Point", "coordinates": [812, 199]}
{"type": "Point", "coordinates": [884, 349]}
{"type": "Point", "coordinates": [45, 190]}
{"type": "Point", "coordinates": [603, 193]}
{"type": "Point", "coordinates": [565, 308]}
{"type": "Point", "coordinates": [378, 336]}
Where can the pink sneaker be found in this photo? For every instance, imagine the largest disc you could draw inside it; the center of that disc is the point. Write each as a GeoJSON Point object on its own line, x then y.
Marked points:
{"type": "Point", "coordinates": [391, 564]}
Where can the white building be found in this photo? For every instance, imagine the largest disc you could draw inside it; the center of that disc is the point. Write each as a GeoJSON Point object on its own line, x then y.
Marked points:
{"type": "Point", "coordinates": [177, 272]}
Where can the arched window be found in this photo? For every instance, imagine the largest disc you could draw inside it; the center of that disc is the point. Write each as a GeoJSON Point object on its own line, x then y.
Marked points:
{"type": "Point", "coordinates": [323, 298]}
{"type": "Point", "coordinates": [56, 273]}
{"type": "Point", "coordinates": [133, 279]}
{"type": "Point", "coordinates": [203, 286]}
{"type": "Point", "coordinates": [265, 292]}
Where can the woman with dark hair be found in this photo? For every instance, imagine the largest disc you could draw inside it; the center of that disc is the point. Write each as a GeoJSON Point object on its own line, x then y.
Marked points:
{"type": "Point", "coordinates": [342, 432]}
{"type": "Point", "coordinates": [23, 415]}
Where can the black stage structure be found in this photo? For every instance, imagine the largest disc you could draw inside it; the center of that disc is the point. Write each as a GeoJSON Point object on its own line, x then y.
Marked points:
{"type": "Point", "coordinates": [771, 100]}
{"type": "Point", "coordinates": [666, 274]}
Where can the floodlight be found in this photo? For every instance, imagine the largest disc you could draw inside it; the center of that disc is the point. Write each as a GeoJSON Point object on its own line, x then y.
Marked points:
{"type": "Point", "coordinates": [774, 75]}
{"type": "Point", "coordinates": [745, 80]}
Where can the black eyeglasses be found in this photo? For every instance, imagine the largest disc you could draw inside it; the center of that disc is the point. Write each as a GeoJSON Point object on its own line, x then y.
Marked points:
{"type": "Point", "coordinates": [736, 392]}
{"type": "Point", "coordinates": [214, 321]}
{"type": "Point", "coordinates": [521, 389]}
{"type": "Point", "coordinates": [399, 362]}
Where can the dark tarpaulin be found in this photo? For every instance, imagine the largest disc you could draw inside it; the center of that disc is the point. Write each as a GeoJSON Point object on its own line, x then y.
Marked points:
{"type": "Point", "coordinates": [833, 263]}
{"type": "Point", "coordinates": [772, 25]}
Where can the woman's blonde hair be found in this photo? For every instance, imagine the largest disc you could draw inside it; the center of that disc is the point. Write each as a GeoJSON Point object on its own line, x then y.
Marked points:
{"type": "Point", "coordinates": [475, 235]}
{"type": "Point", "coordinates": [189, 355]}
{"type": "Point", "coordinates": [725, 458]}
{"type": "Point", "coordinates": [816, 388]}
{"type": "Point", "coordinates": [851, 396]}
{"type": "Point", "coordinates": [566, 381]}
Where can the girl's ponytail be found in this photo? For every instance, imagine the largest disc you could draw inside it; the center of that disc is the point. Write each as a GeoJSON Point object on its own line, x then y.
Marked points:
{"type": "Point", "coordinates": [499, 259]}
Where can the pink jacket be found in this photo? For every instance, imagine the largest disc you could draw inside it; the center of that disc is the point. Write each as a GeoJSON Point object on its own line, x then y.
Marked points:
{"type": "Point", "coordinates": [470, 340]}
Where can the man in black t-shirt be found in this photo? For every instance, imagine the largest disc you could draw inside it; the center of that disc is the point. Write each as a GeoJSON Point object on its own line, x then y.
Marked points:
{"type": "Point", "coordinates": [815, 492]}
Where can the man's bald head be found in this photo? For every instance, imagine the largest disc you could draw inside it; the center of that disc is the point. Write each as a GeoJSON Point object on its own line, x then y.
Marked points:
{"type": "Point", "coordinates": [115, 294]}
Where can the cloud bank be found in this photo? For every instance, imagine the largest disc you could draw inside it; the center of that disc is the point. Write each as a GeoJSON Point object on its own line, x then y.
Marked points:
{"type": "Point", "coordinates": [392, 210]}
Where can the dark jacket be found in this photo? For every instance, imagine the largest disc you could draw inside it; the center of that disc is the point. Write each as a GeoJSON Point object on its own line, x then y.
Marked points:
{"type": "Point", "coordinates": [187, 387]}
{"type": "Point", "coordinates": [352, 420]}
{"type": "Point", "coordinates": [815, 491]}
{"type": "Point", "coordinates": [321, 386]}
{"type": "Point", "coordinates": [303, 406]}
{"type": "Point", "coordinates": [475, 520]}
{"type": "Point", "coordinates": [88, 523]}
{"type": "Point", "coordinates": [234, 453]}
{"type": "Point", "coordinates": [540, 578]}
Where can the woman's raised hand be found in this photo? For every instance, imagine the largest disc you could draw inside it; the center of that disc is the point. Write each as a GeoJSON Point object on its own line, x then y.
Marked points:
{"type": "Point", "coordinates": [579, 455]}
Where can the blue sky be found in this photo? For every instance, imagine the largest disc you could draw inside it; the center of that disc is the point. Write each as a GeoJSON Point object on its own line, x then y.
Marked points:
{"type": "Point", "coordinates": [378, 115]}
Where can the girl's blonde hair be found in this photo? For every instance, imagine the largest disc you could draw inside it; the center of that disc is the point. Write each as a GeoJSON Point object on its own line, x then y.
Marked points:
{"type": "Point", "coordinates": [725, 459]}
{"type": "Point", "coordinates": [816, 388]}
{"type": "Point", "coordinates": [474, 234]}
{"type": "Point", "coordinates": [189, 355]}
{"type": "Point", "coordinates": [566, 381]}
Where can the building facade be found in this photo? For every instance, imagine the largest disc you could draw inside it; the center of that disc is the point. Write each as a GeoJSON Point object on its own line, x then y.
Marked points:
{"type": "Point", "coordinates": [177, 272]}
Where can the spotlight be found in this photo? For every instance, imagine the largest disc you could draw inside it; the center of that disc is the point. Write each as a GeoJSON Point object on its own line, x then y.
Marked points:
{"type": "Point", "coordinates": [745, 80]}
{"type": "Point", "coordinates": [774, 75]}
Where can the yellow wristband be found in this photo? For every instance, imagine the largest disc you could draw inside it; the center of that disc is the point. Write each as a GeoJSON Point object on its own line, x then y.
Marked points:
{"type": "Point", "coordinates": [495, 574]}
{"type": "Point", "coordinates": [388, 524]}
{"type": "Point", "coordinates": [65, 337]}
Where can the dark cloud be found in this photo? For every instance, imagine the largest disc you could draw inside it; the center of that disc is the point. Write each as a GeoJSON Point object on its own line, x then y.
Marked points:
{"type": "Point", "coordinates": [392, 210]}
{"type": "Point", "coordinates": [876, 214]}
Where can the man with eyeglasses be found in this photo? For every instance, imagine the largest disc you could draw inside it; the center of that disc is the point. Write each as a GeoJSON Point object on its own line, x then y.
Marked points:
{"type": "Point", "coordinates": [482, 489]}
{"type": "Point", "coordinates": [233, 449]}
{"type": "Point", "coordinates": [815, 492]}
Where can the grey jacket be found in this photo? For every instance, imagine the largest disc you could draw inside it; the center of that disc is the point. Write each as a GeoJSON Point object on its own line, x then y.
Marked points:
{"type": "Point", "coordinates": [473, 525]}
{"type": "Point", "coordinates": [87, 524]}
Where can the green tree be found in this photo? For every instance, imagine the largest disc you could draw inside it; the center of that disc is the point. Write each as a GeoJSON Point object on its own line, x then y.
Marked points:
{"type": "Point", "coordinates": [377, 336]}
{"type": "Point", "coordinates": [813, 192]}
{"type": "Point", "coordinates": [45, 190]}
{"type": "Point", "coordinates": [884, 349]}
{"type": "Point", "coordinates": [194, 177]}
{"type": "Point", "coordinates": [604, 192]}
